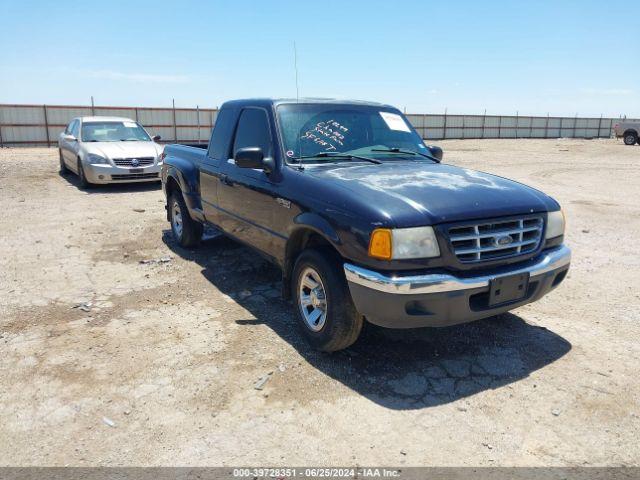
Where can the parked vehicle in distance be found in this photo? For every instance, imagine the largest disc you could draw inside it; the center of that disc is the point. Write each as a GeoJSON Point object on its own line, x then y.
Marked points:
{"type": "Point", "coordinates": [362, 217]}
{"type": "Point", "coordinates": [109, 150]}
{"type": "Point", "coordinates": [629, 131]}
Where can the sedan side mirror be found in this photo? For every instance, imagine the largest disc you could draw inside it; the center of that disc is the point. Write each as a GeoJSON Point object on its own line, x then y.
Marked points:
{"type": "Point", "coordinates": [436, 152]}
{"type": "Point", "coordinates": [253, 157]}
{"type": "Point", "coordinates": [69, 138]}
{"type": "Point", "coordinates": [156, 138]}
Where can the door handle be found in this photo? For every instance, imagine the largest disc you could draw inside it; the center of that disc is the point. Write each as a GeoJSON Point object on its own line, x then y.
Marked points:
{"type": "Point", "coordinates": [224, 178]}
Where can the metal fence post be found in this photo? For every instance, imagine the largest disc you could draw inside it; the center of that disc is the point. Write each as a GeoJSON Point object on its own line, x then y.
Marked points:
{"type": "Point", "coordinates": [500, 126]}
{"type": "Point", "coordinates": [444, 129]}
{"type": "Point", "coordinates": [599, 125]}
{"type": "Point", "coordinates": [517, 124]}
{"type": "Point", "coordinates": [546, 127]}
{"type": "Point", "coordinates": [198, 121]}
{"type": "Point", "coordinates": [484, 120]}
{"type": "Point", "coordinates": [462, 134]}
{"type": "Point", "coordinates": [46, 125]}
{"type": "Point", "coordinates": [136, 110]}
{"type": "Point", "coordinates": [175, 127]}
{"type": "Point", "coordinates": [1, 141]}
{"type": "Point", "coordinates": [93, 107]}
{"type": "Point", "coordinates": [424, 124]}
{"type": "Point", "coordinates": [575, 122]}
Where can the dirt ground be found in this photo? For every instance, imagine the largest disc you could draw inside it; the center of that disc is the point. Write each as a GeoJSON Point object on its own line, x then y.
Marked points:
{"type": "Point", "coordinates": [158, 364]}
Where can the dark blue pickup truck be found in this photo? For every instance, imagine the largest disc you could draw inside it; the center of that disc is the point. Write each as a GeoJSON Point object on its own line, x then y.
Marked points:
{"type": "Point", "coordinates": [362, 217]}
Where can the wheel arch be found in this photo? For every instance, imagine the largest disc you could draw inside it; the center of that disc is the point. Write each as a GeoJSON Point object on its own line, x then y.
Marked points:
{"type": "Point", "coordinates": [309, 231]}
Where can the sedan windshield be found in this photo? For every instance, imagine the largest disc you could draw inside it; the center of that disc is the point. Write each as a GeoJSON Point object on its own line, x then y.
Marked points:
{"type": "Point", "coordinates": [113, 132]}
{"type": "Point", "coordinates": [318, 132]}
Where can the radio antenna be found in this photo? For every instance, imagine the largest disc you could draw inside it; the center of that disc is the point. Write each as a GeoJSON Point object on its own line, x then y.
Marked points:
{"type": "Point", "coordinates": [298, 142]}
{"type": "Point", "coordinates": [295, 66]}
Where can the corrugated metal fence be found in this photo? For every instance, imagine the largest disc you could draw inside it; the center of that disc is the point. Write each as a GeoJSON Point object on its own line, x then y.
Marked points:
{"type": "Point", "coordinates": [41, 124]}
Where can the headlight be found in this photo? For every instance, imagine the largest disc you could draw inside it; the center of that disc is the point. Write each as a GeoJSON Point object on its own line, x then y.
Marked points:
{"type": "Point", "coordinates": [402, 243]}
{"type": "Point", "coordinates": [555, 224]}
{"type": "Point", "coordinates": [94, 159]}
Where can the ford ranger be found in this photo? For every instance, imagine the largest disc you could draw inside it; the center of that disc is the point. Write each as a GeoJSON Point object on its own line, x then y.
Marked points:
{"type": "Point", "coordinates": [362, 217]}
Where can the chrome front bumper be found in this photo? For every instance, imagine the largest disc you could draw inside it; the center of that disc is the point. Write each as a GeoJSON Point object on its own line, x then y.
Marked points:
{"type": "Point", "coordinates": [440, 299]}
{"type": "Point", "coordinates": [443, 282]}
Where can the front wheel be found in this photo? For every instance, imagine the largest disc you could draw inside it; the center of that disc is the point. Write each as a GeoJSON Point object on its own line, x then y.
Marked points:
{"type": "Point", "coordinates": [63, 167]}
{"type": "Point", "coordinates": [186, 232]}
{"type": "Point", "coordinates": [325, 312]}
{"type": "Point", "coordinates": [630, 138]}
{"type": "Point", "coordinates": [82, 178]}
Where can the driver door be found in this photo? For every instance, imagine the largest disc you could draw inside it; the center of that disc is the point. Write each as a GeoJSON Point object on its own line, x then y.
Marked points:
{"type": "Point", "coordinates": [247, 196]}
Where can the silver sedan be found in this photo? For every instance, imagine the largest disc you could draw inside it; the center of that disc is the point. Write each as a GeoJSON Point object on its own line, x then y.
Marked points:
{"type": "Point", "coordinates": [109, 150]}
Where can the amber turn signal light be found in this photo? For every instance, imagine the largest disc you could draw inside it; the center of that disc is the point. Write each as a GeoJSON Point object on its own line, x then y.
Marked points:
{"type": "Point", "coordinates": [380, 244]}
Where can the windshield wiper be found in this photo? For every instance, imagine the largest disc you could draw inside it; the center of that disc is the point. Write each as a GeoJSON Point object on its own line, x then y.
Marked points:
{"type": "Point", "coordinates": [339, 155]}
{"type": "Point", "coordinates": [409, 152]}
{"type": "Point", "coordinates": [129, 140]}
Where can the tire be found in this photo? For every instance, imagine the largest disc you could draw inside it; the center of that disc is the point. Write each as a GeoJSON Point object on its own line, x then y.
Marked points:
{"type": "Point", "coordinates": [339, 324]}
{"type": "Point", "coordinates": [186, 231]}
{"type": "Point", "coordinates": [630, 138]}
{"type": "Point", "coordinates": [82, 179]}
{"type": "Point", "coordinates": [63, 167]}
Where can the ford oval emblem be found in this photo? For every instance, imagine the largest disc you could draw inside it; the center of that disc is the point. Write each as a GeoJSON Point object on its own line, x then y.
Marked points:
{"type": "Point", "coordinates": [134, 162]}
{"type": "Point", "coordinates": [503, 240]}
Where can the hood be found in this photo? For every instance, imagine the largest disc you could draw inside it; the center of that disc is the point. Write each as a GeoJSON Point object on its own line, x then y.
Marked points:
{"type": "Point", "coordinates": [124, 149]}
{"type": "Point", "coordinates": [410, 193]}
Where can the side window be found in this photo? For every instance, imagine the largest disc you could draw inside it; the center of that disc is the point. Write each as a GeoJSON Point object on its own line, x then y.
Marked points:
{"type": "Point", "coordinates": [68, 129]}
{"type": "Point", "coordinates": [253, 131]}
{"type": "Point", "coordinates": [221, 136]}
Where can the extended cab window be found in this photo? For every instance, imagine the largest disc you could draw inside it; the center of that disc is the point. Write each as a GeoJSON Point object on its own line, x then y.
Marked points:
{"type": "Point", "coordinates": [221, 136]}
{"type": "Point", "coordinates": [253, 131]}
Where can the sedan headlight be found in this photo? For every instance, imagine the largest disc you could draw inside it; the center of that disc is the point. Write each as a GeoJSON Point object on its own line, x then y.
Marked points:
{"type": "Point", "coordinates": [403, 243]}
{"type": "Point", "coordinates": [94, 159]}
{"type": "Point", "coordinates": [555, 224]}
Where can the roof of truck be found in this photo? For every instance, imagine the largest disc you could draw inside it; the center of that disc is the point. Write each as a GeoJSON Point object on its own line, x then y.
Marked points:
{"type": "Point", "coordinates": [278, 101]}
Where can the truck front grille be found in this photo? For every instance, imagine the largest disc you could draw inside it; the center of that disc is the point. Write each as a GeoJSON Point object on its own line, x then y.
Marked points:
{"type": "Point", "coordinates": [493, 240]}
{"type": "Point", "coordinates": [128, 162]}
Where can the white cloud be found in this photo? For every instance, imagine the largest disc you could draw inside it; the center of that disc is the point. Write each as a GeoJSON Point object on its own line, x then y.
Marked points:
{"type": "Point", "coordinates": [137, 77]}
{"type": "Point", "coordinates": [607, 91]}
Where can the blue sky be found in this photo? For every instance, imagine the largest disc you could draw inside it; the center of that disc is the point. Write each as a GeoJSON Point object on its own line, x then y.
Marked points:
{"type": "Point", "coordinates": [534, 57]}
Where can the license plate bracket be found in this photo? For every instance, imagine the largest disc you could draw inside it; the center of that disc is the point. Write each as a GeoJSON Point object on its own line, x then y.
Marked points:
{"type": "Point", "coordinates": [507, 289]}
{"type": "Point", "coordinates": [136, 170]}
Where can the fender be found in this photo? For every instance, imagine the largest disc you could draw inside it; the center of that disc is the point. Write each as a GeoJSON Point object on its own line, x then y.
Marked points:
{"type": "Point", "coordinates": [302, 224]}
{"type": "Point", "coordinates": [315, 222]}
{"type": "Point", "coordinates": [186, 174]}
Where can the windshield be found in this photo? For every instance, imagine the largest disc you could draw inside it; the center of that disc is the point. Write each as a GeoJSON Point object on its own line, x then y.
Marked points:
{"type": "Point", "coordinates": [113, 132]}
{"type": "Point", "coordinates": [330, 129]}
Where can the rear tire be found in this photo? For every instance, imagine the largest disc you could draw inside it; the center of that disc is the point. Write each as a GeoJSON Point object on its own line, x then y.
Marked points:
{"type": "Point", "coordinates": [186, 231]}
{"type": "Point", "coordinates": [63, 167]}
{"type": "Point", "coordinates": [84, 183]}
{"type": "Point", "coordinates": [325, 312]}
{"type": "Point", "coordinates": [630, 138]}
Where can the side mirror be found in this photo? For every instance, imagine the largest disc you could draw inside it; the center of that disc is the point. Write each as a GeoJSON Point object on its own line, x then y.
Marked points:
{"type": "Point", "coordinates": [69, 138]}
{"type": "Point", "coordinates": [253, 157]}
{"type": "Point", "coordinates": [436, 152]}
{"type": "Point", "coordinates": [156, 138]}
